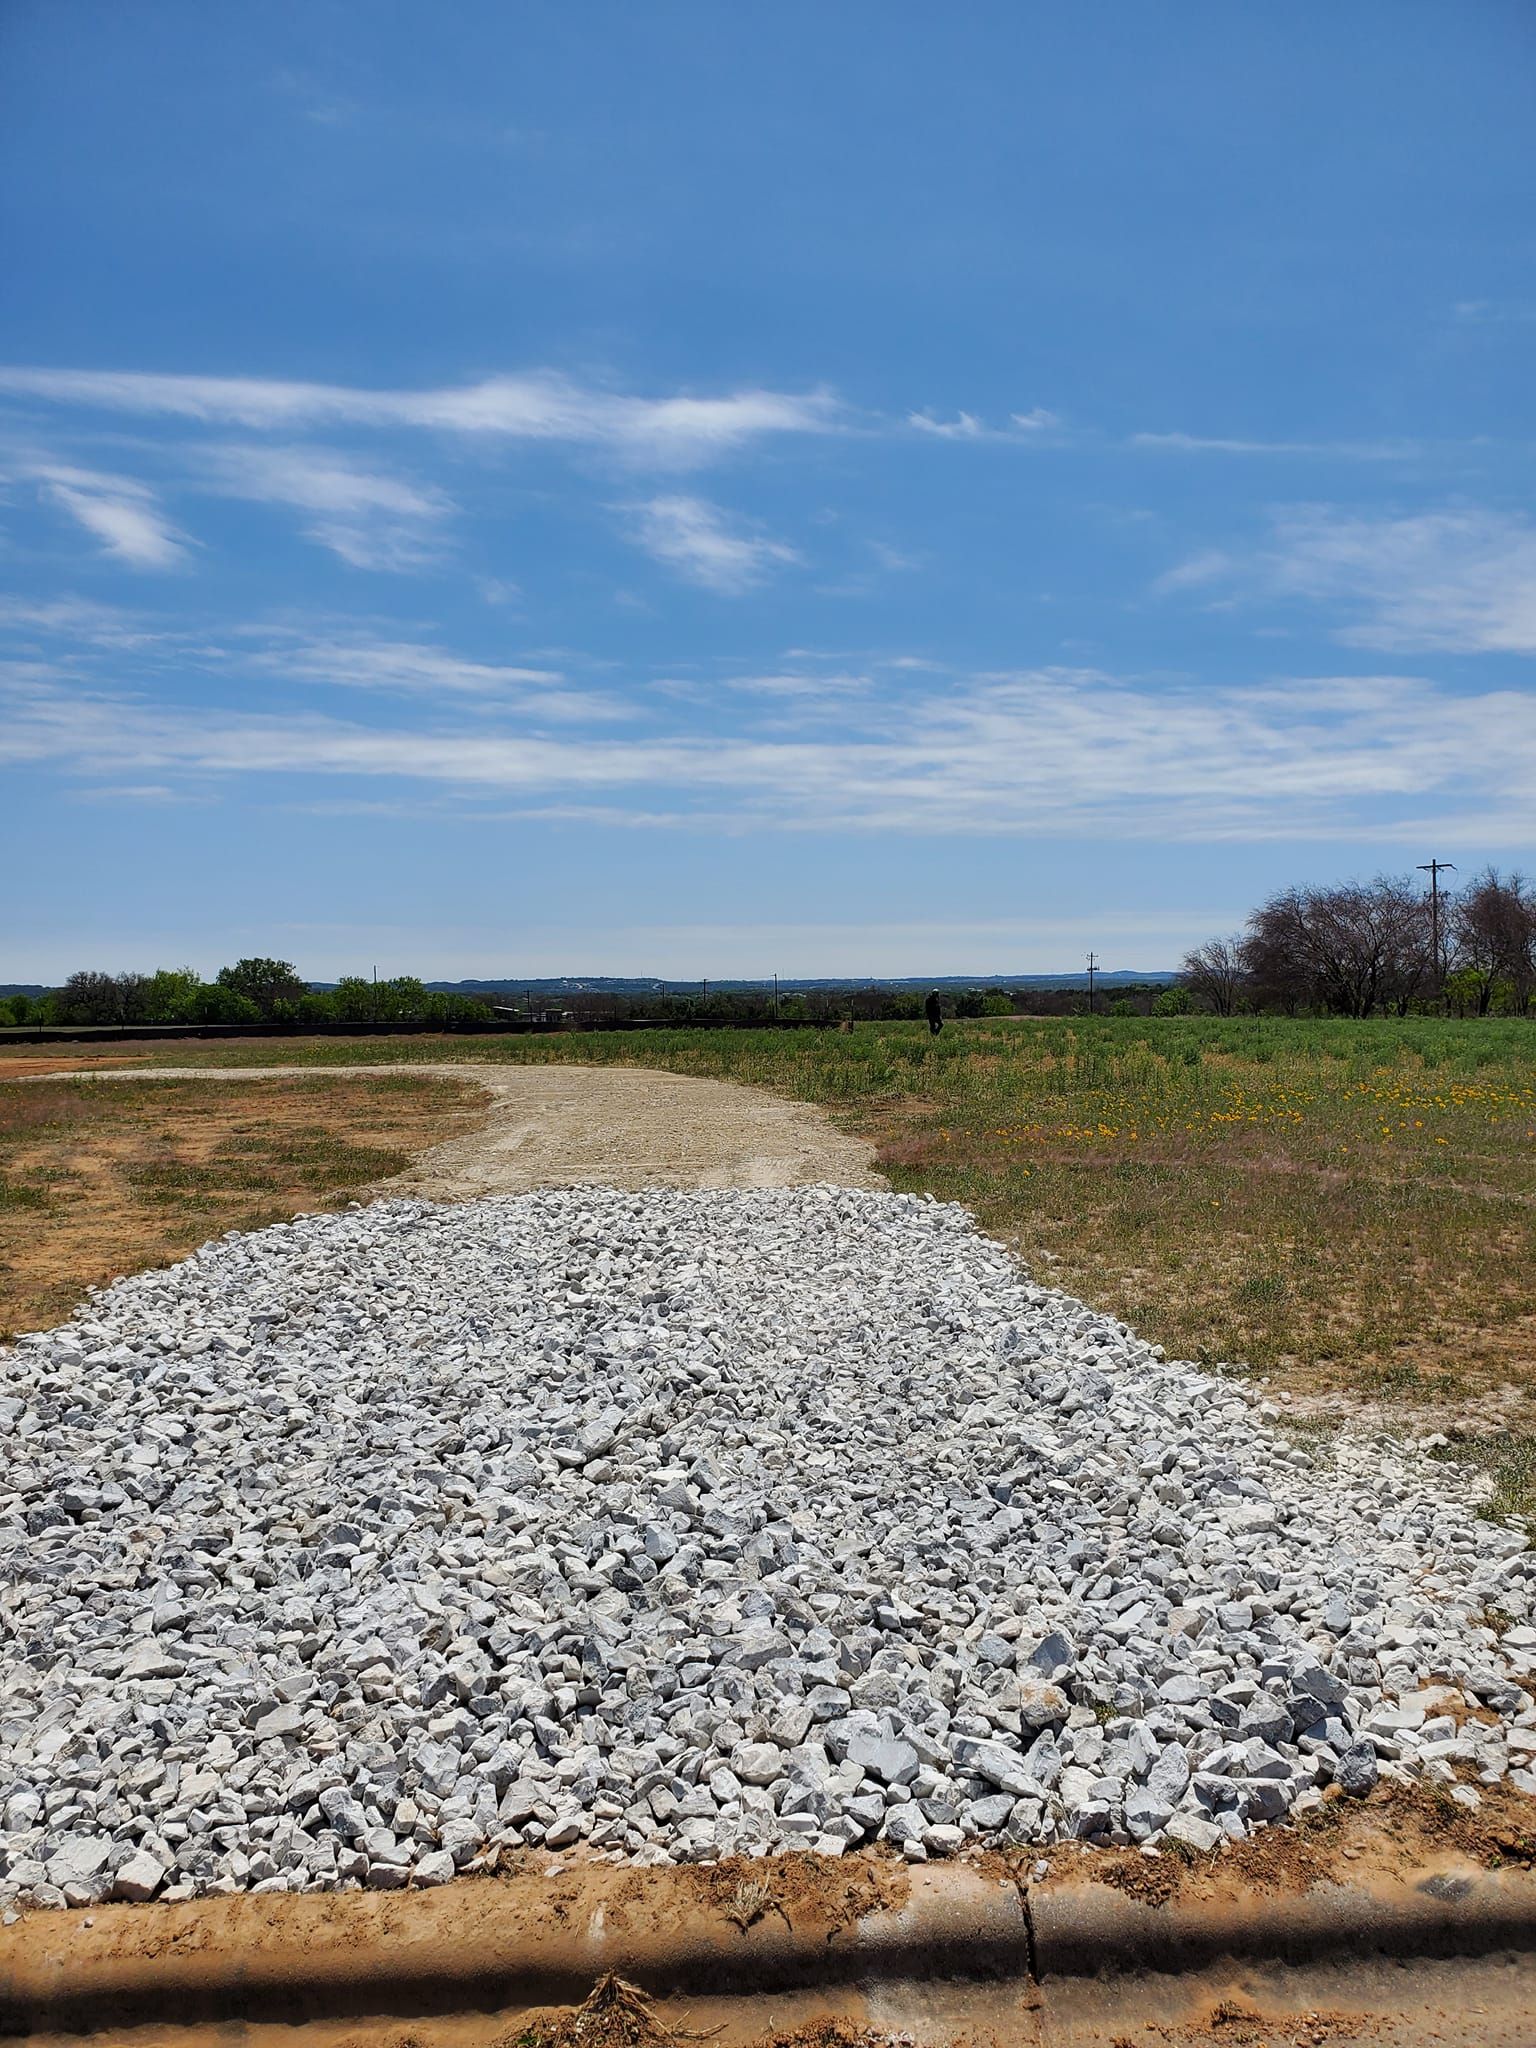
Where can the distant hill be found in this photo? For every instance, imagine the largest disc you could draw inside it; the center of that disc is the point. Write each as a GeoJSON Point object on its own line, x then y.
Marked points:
{"type": "Point", "coordinates": [653, 985]}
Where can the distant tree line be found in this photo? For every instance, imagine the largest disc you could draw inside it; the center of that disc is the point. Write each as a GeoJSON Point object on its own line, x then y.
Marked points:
{"type": "Point", "coordinates": [1365, 948]}
{"type": "Point", "coordinates": [254, 991]}
{"type": "Point", "coordinates": [263, 991]}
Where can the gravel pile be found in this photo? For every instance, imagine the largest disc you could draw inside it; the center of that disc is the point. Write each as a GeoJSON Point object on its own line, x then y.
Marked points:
{"type": "Point", "coordinates": [676, 1524]}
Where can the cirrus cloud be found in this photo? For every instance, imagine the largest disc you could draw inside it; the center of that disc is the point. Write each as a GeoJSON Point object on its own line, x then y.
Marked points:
{"type": "Point", "coordinates": [1459, 581]}
{"type": "Point", "coordinates": [369, 518]}
{"type": "Point", "coordinates": [681, 430]}
{"type": "Point", "coordinates": [1038, 752]}
{"type": "Point", "coordinates": [697, 540]}
{"type": "Point", "coordinates": [121, 513]}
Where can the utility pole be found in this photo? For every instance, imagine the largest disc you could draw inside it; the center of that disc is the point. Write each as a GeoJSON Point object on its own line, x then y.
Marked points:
{"type": "Point", "coordinates": [375, 995]}
{"type": "Point", "coordinates": [1435, 869]}
{"type": "Point", "coordinates": [1092, 960]}
{"type": "Point", "coordinates": [775, 999]}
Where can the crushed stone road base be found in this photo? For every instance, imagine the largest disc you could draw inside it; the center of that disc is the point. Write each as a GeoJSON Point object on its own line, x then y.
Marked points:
{"type": "Point", "coordinates": [687, 1523]}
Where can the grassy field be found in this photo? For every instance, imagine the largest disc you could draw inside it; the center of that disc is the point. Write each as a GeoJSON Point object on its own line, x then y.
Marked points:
{"type": "Point", "coordinates": [1339, 1206]}
{"type": "Point", "coordinates": [97, 1181]}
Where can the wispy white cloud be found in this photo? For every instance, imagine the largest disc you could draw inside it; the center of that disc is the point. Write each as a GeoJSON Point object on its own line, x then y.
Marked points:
{"type": "Point", "coordinates": [969, 426]}
{"type": "Point", "coordinates": [693, 537]}
{"type": "Point", "coordinates": [410, 669]}
{"type": "Point", "coordinates": [896, 560]}
{"type": "Point", "coordinates": [324, 108]}
{"type": "Point", "coordinates": [1494, 312]}
{"type": "Point", "coordinates": [1461, 581]}
{"type": "Point", "coordinates": [371, 519]}
{"type": "Point", "coordinates": [83, 620]}
{"type": "Point", "coordinates": [1042, 752]}
{"type": "Point", "coordinates": [792, 683]}
{"type": "Point", "coordinates": [965, 426]}
{"type": "Point", "coordinates": [71, 638]}
{"type": "Point", "coordinates": [861, 579]}
{"type": "Point", "coordinates": [136, 793]}
{"type": "Point", "coordinates": [1218, 444]}
{"type": "Point", "coordinates": [1210, 566]}
{"type": "Point", "coordinates": [680, 431]}
{"type": "Point", "coordinates": [122, 514]}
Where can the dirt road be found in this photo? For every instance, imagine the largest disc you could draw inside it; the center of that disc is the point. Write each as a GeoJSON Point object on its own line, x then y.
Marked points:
{"type": "Point", "coordinates": [624, 1127]}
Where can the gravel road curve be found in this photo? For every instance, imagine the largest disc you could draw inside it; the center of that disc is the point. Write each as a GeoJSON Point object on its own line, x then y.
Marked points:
{"type": "Point", "coordinates": [564, 1126]}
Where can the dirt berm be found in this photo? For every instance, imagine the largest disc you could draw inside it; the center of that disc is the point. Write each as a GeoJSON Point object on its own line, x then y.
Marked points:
{"type": "Point", "coordinates": [746, 1951]}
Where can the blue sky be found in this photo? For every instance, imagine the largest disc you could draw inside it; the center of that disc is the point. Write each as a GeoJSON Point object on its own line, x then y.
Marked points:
{"type": "Point", "coordinates": [731, 489]}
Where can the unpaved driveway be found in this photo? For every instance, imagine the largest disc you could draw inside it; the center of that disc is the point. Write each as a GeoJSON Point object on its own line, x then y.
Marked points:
{"type": "Point", "coordinates": [626, 1127]}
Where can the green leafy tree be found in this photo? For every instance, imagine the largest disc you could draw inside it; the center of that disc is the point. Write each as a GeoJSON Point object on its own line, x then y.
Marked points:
{"type": "Point", "coordinates": [274, 986]}
{"type": "Point", "coordinates": [997, 1003]}
{"type": "Point", "coordinates": [173, 995]}
{"type": "Point", "coordinates": [1173, 1002]}
{"type": "Point", "coordinates": [406, 998]}
{"type": "Point", "coordinates": [352, 999]}
{"type": "Point", "coordinates": [441, 1006]}
{"type": "Point", "coordinates": [1464, 991]}
{"type": "Point", "coordinates": [218, 1003]}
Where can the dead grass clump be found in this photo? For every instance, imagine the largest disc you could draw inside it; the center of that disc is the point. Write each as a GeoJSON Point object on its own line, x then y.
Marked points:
{"type": "Point", "coordinates": [616, 2015]}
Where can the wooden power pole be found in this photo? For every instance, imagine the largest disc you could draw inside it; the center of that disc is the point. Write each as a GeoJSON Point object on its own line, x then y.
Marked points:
{"type": "Point", "coordinates": [1092, 961]}
{"type": "Point", "coordinates": [1435, 869]}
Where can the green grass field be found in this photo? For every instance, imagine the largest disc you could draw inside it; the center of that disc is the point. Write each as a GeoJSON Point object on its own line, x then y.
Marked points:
{"type": "Point", "coordinates": [1339, 1206]}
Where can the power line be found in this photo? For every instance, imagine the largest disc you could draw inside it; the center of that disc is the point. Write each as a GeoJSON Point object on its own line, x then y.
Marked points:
{"type": "Point", "coordinates": [1435, 869]}
{"type": "Point", "coordinates": [1092, 958]}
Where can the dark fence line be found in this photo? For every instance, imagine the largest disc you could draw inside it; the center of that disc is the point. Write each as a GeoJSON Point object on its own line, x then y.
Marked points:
{"type": "Point", "coordinates": [499, 1027]}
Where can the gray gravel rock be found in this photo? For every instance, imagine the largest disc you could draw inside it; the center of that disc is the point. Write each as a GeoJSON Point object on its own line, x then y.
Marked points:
{"type": "Point", "coordinates": [679, 1524]}
{"type": "Point", "coordinates": [1357, 1770]}
{"type": "Point", "coordinates": [139, 1878]}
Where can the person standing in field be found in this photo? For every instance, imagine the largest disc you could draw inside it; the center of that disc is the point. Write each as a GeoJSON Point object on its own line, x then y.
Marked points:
{"type": "Point", "coordinates": [933, 1010]}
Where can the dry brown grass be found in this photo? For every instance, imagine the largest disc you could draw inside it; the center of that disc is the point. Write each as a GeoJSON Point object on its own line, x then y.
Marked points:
{"type": "Point", "coordinates": [1372, 1283]}
{"type": "Point", "coordinates": [99, 1179]}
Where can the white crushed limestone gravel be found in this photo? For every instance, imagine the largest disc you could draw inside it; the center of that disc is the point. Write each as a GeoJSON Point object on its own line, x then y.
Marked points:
{"type": "Point", "coordinates": [682, 1523]}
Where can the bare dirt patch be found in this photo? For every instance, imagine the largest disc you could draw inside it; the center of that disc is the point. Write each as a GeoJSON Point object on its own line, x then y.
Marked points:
{"type": "Point", "coordinates": [97, 1182]}
{"type": "Point", "coordinates": [56, 1062]}
{"type": "Point", "coordinates": [1396, 1831]}
{"type": "Point", "coordinates": [568, 1126]}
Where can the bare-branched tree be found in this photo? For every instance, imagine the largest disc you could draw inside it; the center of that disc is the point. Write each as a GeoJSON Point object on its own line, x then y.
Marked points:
{"type": "Point", "coordinates": [1215, 975]}
{"type": "Point", "coordinates": [1353, 950]}
{"type": "Point", "coordinates": [1493, 938]}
